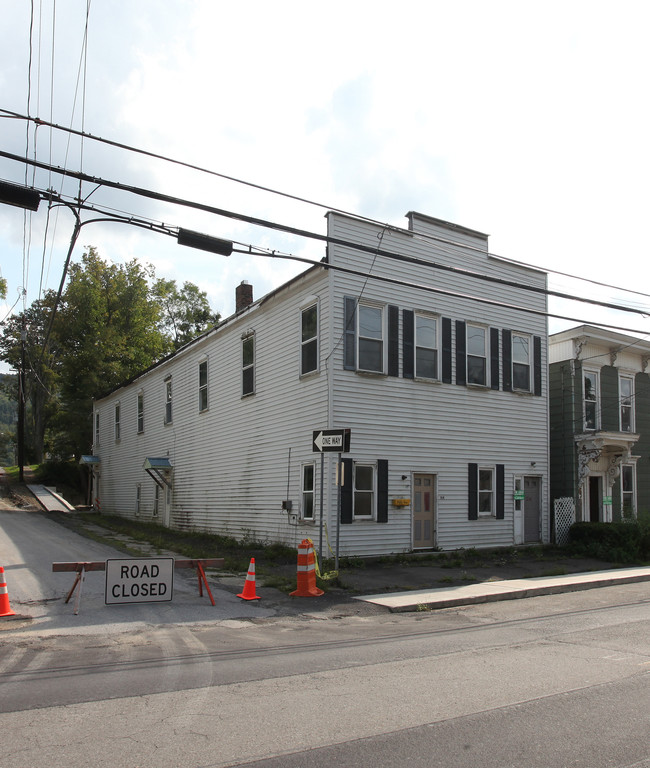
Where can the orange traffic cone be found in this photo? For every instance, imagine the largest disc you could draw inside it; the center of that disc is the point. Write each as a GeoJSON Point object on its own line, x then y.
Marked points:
{"type": "Point", "coordinates": [306, 571]}
{"type": "Point", "coordinates": [5, 608]}
{"type": "Point", "coordinates": [249, 584]}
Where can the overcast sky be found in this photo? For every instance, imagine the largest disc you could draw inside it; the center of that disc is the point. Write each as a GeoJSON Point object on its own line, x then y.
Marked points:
{"type": "Point", "coordinates": [527, 121]}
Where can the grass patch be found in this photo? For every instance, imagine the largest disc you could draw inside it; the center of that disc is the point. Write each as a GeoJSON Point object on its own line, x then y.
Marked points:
{"type": "Point", "coordinates": [191, 544]}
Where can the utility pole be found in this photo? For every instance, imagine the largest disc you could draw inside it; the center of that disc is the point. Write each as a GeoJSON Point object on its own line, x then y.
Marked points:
{"type": "Point", "coordinates": [20, 431]}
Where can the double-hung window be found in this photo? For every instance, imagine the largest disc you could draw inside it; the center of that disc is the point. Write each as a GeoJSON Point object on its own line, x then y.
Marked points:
{"type": "Point", "coordinates": [140, 413]}
{"type": "Point", "coordinates": [96, 429]}
{"type": "Point", "coordinates": [168, 400]}
{"type": "Point", "coordinates": [203, 385]}
{"type": "Point", "coordinates": [626, 393]}
{"type": "Point", "coordinates": [628, 496]}
{"type": "Point", "coordinates": [426, 347]}
{"type": "Point", "coordinates": [117, 421]}
{"type": "Point", "coordinates": [364, 491]}
{"type": "Point", "coordinates": [486, 488]}
{"type": "Point", "coordinates": [308, 491]}
{"type": "Point", "coordinates": [371, 338]}
{"type": "Point", "coordinates": [476, 355]}
{"type": "Point", "coordinates": [521, 362]}
{"type": "Point", "coordinates": [248, 364]}
{"type": "Point", "coordinates": [591, 400]}
{"type": "Point", "coordinates": [309, 339]}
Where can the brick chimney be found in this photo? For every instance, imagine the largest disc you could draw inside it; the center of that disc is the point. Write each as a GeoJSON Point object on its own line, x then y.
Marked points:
{"type": "Point", "coordinates": [243, 295]}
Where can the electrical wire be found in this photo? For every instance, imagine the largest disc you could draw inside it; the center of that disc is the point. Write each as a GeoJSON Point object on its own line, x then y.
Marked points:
{"type": "Point", "coordinates": [256, 221]}
{"type": "Point", "coordinates": [191, 166]}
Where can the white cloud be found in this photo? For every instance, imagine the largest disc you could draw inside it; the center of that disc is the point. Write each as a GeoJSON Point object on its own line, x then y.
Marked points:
{"type": "Point", "coordinates": [523, 120]}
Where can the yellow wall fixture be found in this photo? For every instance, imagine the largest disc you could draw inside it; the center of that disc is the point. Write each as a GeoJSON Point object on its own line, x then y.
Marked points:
{"type": "Point", "coordinates": [401, 502]}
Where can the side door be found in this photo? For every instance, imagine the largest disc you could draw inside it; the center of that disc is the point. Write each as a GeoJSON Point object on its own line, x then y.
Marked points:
{"type": "Point", "coordinates": [532, 509]}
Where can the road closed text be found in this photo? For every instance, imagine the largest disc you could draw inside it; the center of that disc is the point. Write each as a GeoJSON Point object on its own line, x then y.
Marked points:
{"type": "Point", "coordinates": [140, 580]}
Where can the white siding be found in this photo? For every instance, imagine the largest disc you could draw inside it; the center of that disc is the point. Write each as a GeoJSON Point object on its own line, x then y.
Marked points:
{"type": "Point", "coordinates": [235, 463]}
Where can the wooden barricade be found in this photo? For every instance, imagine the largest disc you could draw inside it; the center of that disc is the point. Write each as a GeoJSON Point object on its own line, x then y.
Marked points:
{"type": "Point", "coordinates": [83, 567]}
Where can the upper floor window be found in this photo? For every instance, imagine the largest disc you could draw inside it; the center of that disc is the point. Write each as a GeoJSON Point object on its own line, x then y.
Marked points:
{"type": "Point", "coordinates": [371, 338]}
{"type": "Point", "coordinates": [117, 421]}
{"type": "Point", "coordinates": [521, 362]}
{"type": "Point", "coordinates": [203, 385]}
{"type": "Point", "coordinates": [309, 340]}
{"type": "Point", "coordinates": [591, 399]}
{"type": "Point", "coordinates": [96, 428]}
{"type": "Point", "coordinates": [248, 364]}
{"type": "Point", "coordinates": [626, 392]}
{"type": "Point", "coordinates": [140, 413]}
{"type": "Point", "coordinates": [308, 491]}
{"type": "Point", "coordinates": [426, 347]}
{"type": "Point", "coordinates": [476, 355]}
{"type": "Point", "coordinates": [168, 400]}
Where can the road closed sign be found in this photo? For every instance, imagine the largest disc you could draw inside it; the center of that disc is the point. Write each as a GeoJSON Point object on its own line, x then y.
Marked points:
{"type": "Point", "coordinates": [141, 580]}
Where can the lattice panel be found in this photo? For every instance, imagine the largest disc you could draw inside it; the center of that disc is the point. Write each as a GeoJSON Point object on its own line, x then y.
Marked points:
{"type": "Point", "coordinates": [565, 517]}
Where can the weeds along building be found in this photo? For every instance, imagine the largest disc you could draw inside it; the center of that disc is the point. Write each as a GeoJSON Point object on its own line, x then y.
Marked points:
{"type": "Point", "coordinates": [428, 349]}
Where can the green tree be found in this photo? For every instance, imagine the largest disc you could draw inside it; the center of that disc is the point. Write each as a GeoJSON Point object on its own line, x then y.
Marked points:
{"type": "Point", "coordinates": [106, 331]}
{"type": "Point", "coordinates": [40, 376]}
{"type": "Point", "coordinates": [3, 288]}
{"type": "Point", "coordinates": [186, 313]}
{"type": "Point", "coordinates": [113, 321]}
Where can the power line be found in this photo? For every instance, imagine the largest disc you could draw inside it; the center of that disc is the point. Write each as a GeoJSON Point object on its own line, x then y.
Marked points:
{"type": "Point", "coordinates": [256, 221]}
{"type": "Point", "coordinates": [201, 169]}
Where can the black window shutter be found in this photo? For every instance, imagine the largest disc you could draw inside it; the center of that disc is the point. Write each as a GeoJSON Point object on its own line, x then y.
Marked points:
{"type": "Point", "coordinates": [506, 337]}
{"type": "Point", "coordinates": [494, 359]}
{"type": "Point", "coordinates": [537, 363]}
{"type": "Point", "coordinates": [408, 343]}
{"type": "Point", "coordinates": [393, 341]}
{"type": "Point", "coordinates": [382, 491]}
{"type": "Point", "coordinates": [501, 496]}
{"type": "Point", "coordinates": [446, 350]}
{"type": "Point", "coordinates": [346, 493]}
{"type": "Point", "coordinates": [461, 347]}
{"type": "Point", "coordinates": [472, 491]}
{"type": "Point", "coordinates": [350, 333]}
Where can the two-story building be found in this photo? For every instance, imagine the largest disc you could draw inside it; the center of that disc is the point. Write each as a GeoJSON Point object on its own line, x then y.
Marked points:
{"type": "Point", "coordinates": [600, 422]}
{"type": "Point", "coordinates": [431, 351]}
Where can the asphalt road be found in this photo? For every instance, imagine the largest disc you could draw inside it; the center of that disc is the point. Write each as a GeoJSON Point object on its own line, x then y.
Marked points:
{"type": "Point", "coordinates": [551, 681]}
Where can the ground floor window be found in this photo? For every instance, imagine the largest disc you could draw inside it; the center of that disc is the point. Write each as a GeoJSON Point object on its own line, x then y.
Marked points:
{"type": "Point", "coordinates": [628, 496]}
{"type": "Point", "coordinates": [308, 491]}
{"type": "Point", "coordinates": [364, 491]}
{"type": "Point", "coordinates": [486, 491]}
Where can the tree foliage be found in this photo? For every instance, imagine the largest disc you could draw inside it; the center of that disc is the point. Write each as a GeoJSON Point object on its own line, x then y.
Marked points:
{"type": "Point", "coordinates": [185, 313]}
{"type": "Point", "coordinates": [113, 321]}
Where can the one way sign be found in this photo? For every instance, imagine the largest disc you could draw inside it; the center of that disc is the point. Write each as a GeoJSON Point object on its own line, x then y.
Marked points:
{"type": "Point", "coordinates": [331, 440]}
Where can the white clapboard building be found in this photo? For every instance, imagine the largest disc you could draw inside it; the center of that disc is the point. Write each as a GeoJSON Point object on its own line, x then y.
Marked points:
{"type": "Point", "coordinates": [429, 350]}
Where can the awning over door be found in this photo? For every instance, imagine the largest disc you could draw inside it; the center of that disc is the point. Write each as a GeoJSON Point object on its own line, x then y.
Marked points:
{"type": "Point", "coordinates": [90, 460]}
{"type": "Point", "coordinates": [160, 470]}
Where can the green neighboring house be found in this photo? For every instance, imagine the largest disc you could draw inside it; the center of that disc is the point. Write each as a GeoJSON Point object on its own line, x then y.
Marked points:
{"type": "Point", "coordinates": [599, 390]}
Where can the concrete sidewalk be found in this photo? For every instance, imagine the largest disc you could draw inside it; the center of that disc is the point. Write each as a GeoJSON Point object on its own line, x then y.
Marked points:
{"type": "Point", "coordinates": [491, 591]}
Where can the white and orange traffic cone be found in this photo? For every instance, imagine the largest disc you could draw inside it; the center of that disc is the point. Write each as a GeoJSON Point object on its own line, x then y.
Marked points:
{"type": "Point", "coordinates": [306, 571]}
{"type": "Point", "coordinates": [249, 585]}
{"type": "Point", "coordinates": [5, 608]}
